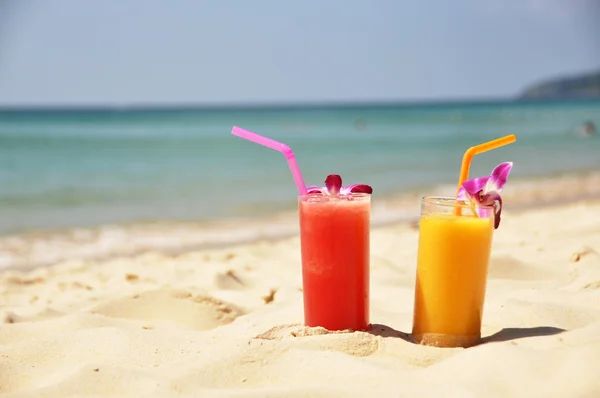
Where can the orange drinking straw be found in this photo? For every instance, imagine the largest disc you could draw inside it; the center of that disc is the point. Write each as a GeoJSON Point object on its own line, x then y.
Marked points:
{"type": "Point", "coordinates": [476, 150]}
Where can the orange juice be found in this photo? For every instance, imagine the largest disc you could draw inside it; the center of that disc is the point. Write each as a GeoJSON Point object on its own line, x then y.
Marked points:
{"type": "Point", "coordinates": [452, 264]}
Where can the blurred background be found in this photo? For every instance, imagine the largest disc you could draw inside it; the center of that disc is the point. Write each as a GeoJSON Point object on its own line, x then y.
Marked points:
{"type": "Point", "coordinates": [121, 112]}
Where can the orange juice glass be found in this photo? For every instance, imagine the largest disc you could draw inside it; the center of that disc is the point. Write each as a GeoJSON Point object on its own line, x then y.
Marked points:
{"type": "Point", "coordinates": [452, 265]}
{"type": "Point", "coordinates": [334, 239]}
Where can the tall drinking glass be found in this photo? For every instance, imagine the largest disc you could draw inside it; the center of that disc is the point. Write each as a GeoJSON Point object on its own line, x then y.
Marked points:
{"type": "Point", "coordinates": [452, 265]}
{"type": "Point", "coordinates": [334, 239]}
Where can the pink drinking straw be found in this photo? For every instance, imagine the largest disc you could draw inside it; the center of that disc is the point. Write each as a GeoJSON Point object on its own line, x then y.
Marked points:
{"type": "Point", "coordinates": [279, 147]}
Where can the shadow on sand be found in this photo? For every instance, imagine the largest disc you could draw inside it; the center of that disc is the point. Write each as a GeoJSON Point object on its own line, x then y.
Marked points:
{"type": "Point", "coordinates": [506, 334]}
{"type": "Point", "coordinates": [386, 331]}
{"type": "Point", "coordinates": [520, 333]}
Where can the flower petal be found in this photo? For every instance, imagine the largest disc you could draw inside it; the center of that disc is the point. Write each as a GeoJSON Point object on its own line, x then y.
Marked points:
{"type": "Point", "coordinates": [356, 188]}
{"type": "Point", "coordinates": [485, 191]}
{"type": "Point", "coordinates": [463, 194]}
{"type": "Point", "coordinates": [315, 190]}
{"type": "Point", "coordinates": [492, 199]}
{"type": "Point", "coordinates": [333, 182]}
{"type": "Point", "coordinates": [498, 177]}
{"type": "Point", "coordinates": [475, 185]}
{"type": "Point", "coordinates": [334, 187]}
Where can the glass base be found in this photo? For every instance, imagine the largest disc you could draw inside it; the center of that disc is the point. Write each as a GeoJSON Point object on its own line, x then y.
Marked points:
{"type": "Point", "coordinates": [447, 340]}
{"type": "Point", "coordinates": [339, 327]}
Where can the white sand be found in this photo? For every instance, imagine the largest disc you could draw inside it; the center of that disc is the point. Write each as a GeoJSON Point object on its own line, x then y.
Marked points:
{"type": "Point", "coordinates": [227, 322]}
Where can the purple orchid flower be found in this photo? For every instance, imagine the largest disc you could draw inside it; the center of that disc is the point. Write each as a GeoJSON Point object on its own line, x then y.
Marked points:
{"type": "Point", "coordinates": [333, 186]}
{"type": "Point", "coordinates": [485, 191]}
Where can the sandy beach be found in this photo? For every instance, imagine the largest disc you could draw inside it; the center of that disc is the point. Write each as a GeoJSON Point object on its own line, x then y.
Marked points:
{"type": "Point", "coordinates": [228, 321]}
{"type": "Point", "coordinates": [157, 241]}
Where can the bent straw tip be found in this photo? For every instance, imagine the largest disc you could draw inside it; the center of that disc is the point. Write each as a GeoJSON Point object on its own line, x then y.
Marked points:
{"type": "Point", "coordinates": [287, 151]}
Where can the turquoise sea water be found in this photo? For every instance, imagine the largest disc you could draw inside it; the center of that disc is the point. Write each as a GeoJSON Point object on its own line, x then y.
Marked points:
{"type": "Point", "coordinates": [67, 168]}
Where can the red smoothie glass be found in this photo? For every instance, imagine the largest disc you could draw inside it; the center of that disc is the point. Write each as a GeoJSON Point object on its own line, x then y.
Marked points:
{"type": "Point", "coordinates": [334, 237]}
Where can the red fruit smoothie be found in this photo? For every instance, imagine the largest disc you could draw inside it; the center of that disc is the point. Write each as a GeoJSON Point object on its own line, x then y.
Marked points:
{"type": "Point", "coordinates": [334, 236]}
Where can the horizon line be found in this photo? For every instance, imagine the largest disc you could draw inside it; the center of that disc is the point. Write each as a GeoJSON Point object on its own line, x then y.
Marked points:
{"type": "Point", "coordinates": [282, 105]}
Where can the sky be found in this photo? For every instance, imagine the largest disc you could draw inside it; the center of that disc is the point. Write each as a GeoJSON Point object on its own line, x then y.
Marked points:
{"type": "Point", "coordinates": [151, 52]}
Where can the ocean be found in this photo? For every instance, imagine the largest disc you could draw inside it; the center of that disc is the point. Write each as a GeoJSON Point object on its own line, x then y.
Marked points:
{"type": "Point", "coordinates": [72, 168]}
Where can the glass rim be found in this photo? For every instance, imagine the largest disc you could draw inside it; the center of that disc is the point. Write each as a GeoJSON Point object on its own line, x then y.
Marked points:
{"type": "Point", "coordinates": [450, 201]}
{"type": "Point", "coordinates": [348, 195]}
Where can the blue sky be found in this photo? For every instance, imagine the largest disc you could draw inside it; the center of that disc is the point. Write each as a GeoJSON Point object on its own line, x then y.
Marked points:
{"type": "Point", "coordinates": [73, 52]}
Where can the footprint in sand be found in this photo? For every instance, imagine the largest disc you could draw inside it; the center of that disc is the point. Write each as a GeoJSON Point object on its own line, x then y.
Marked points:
{"type": "Point", "coordinates": [586, 252]}
{"type": "Point", "coordinates": [230, 280]}
{"type": "Point", "coordinates": [8, 317]}
{"type": "Point", "coordinates": [198, 312]}
{"type": "Point", "coordinates": [45, 314]}
{"type": "Point", "coordinates": [360, 344]}
{"type": "Point", "coordinates": [592, 285]}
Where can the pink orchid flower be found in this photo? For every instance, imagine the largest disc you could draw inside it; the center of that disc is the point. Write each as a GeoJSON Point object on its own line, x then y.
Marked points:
{"type": "Point", "coordinates": [333, 186]}
{"type": "Point", "coordinates": [485, 191]}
